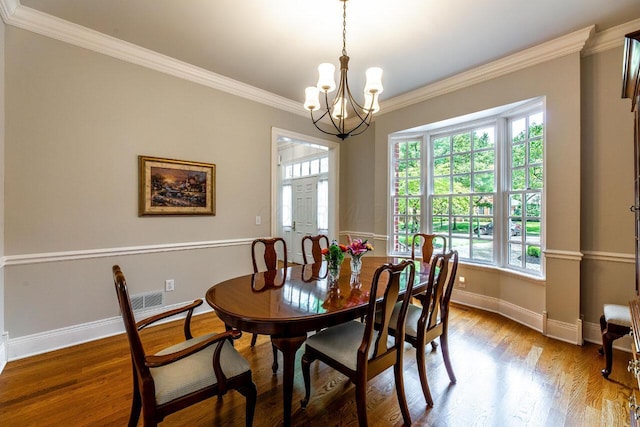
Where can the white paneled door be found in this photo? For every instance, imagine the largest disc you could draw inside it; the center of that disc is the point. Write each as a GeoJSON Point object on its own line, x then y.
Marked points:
{"type": "Point", "coordinates": [305, 213]}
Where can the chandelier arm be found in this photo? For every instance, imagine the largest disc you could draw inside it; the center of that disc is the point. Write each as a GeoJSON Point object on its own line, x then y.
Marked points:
{"type": "Point", "coordinates": [319, 118]}
{"type": "Point", "coordinates": [354, 104]}
{"type": "Point", "coordinates": [357, 108]}
{"type": "Point", "coordinates": [339, 126]}
{"type": "Point", "coordinates": [315, 123]}
{"type": "Point", "coordinates": [363, 122]}
{"type": "Point", "coordinates": [327, 110]}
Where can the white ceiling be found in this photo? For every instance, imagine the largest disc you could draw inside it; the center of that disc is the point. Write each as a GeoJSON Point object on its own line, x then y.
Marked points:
{"type": "Point", "coordinates": [276, 45]}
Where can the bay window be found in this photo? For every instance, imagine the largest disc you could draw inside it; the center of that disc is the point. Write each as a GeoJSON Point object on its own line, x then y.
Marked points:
{"type": "Point", "coordinates": [478, 183]}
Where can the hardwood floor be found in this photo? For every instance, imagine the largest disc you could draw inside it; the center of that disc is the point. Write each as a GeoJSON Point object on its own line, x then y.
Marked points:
{"type": "Point", "coordinates": [508, 375]}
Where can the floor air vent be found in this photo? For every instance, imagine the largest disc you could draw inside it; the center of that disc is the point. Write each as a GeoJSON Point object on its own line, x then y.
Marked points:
{"type": "Point", "coordinates": [148, 300]}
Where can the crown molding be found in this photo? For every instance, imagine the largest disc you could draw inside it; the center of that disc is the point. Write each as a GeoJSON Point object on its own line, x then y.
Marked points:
{"type": "Point", "coordinates": [585, 41]}
{"type": "Point", "coordinates": [610, 38]}
{"type": "Point", "coordinates": [14, 14]}
{"type": "Point", "coordinates": [565, 45]}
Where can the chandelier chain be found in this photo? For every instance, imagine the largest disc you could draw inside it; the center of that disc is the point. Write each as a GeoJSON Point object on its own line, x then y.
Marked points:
{"type": "Point", "coordinates": [344, 27]}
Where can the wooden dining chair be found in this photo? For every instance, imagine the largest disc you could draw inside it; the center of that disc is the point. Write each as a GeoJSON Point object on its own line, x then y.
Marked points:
{"type": "Point", "coordinates": [182, 374]}
{"type": "Point", "coordinates": [359, 351]}
{"type": "Point", "coordinates": [270, 262]}
{"type": "Point", "coordinates": [426, 245]}
{"type": "Point", "coordinates": [317, 243]}
{"type": "Point", "coordinates": [430, 320]}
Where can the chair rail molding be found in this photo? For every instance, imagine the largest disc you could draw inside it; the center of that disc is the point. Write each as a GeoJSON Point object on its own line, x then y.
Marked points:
{"type": "Point", "coordinates": [110, 252]}
{"type": "Point", "coordinates": [559, 254]}
{"type": "Point", "coordinates": [610, 256]}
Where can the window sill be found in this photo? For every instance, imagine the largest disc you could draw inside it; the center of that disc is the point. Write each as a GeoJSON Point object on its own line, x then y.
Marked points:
{"type": "Point", "coordinates": [536, 280]}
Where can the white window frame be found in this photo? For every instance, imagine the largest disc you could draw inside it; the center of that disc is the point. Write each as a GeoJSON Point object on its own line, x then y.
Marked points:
{"type": "Point", "coordinates": [502, 163]}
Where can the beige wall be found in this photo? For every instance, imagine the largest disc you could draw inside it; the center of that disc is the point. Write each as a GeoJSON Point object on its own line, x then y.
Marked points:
{"type": "Point", "coordinates": [2, 214]}
{"type": "Point", "coordinates": [607, 185]}
{"type": "Point", "coordinates": [76, 121]}
{"type": "Point", "coordinates": [357, 168]}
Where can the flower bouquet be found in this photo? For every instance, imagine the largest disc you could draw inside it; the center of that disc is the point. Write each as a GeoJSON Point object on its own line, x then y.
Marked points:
{"type": "Point", "coordinates": [334, 255]}
{"type": "Point", "coordinates": [356, 248]}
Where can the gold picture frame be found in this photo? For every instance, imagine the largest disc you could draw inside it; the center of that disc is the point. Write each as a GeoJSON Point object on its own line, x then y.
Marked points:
{"type": "Point", "coordinates": [176, 187]}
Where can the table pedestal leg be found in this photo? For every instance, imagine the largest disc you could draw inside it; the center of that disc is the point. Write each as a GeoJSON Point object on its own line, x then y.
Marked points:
{"type": "Point", "coordinates": [288, 346]}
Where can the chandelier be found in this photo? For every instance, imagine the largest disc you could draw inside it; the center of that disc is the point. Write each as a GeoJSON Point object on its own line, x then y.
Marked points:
{"type": "Point", "coordinates": [343, 106]}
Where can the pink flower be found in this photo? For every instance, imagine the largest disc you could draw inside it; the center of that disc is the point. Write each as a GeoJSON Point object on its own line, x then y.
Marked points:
{"type": "Point", "coordinates": [357, 247]}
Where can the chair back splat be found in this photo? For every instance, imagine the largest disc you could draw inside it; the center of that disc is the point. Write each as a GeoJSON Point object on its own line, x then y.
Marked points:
{"type": "Point", "coordinates": [270, 255]}
{"type": "Point", "coordinates": [360, 351]}
{"type": "Point", "coordinates": [318, 243]}
{"type": "Point", "coordinates": [182, 374]}
{"type": "Point", "coordinates": [427, 243]}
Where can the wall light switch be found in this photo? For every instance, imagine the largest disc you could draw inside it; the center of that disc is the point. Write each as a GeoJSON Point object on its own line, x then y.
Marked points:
{"type": "Point", "coordinates": [258, 220]}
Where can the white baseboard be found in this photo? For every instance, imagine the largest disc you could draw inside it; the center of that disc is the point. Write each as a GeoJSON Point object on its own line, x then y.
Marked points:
{"type": "Point", "coordinates": [30, 345]}
{"type": "Point", "coordinates": [572, 333]}
{"type": "Point", "coordinates": [563, 331]}
{"type": "Point", "coordinates": [538, 321]}
{"type": "Point", "coordinates": [43, 342]}
{"type": "Point", "coordinates": [592, 334]}
{"type": "Point", "coordinates": [3, 351]}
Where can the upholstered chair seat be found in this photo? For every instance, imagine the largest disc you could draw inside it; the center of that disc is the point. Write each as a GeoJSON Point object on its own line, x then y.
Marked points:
{"type": "Point", "coordinates": [341, 343]}
{"type": "Point", "coordinates": [186, 375]}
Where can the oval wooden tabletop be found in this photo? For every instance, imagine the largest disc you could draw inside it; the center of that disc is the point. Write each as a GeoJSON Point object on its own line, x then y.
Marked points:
{"type": "Point", "coordinates": [298, 299]}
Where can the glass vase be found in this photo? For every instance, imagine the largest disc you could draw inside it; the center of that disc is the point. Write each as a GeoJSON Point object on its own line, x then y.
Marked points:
{"type": "Point", "coordinates": [333, 274]}
{"type": "Point", "coordinates": [356, 264]}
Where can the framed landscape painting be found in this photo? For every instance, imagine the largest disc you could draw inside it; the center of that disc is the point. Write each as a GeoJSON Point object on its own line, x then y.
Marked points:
{"type": "Point", "coordinates": [176, 187]}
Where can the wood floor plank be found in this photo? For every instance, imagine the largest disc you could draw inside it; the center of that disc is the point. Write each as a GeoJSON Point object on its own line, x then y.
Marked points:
{"type": "Point", "coordinates": [508, 375]}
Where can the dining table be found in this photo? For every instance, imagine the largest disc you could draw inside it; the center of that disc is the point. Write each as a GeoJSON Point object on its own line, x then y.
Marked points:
{"type": "Point", "coordinates": [292, 301]}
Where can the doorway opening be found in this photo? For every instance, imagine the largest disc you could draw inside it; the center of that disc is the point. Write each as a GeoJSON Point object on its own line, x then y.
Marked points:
{"type": "Point", "coordinates": [304, 188]}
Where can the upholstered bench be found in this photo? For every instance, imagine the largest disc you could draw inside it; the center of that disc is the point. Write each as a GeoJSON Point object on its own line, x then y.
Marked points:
{"type": "Point", "coordinates": [614, 323]}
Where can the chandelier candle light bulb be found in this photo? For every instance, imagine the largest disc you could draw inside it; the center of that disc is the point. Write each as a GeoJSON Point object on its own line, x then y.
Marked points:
{"type": "Point", "coordinates": [326, 82]}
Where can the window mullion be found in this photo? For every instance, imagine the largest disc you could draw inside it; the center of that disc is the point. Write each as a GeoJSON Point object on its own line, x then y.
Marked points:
{"type": "Point", "coordinates": [427, 185]}
{"type": "Point", "coordinates": [503, 162]}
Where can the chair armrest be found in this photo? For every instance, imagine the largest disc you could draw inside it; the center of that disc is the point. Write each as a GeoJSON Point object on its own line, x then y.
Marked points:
{"type": "Point", "coordinates": [166, 359]}
{"type": "Point", "coordinates": [148, 321]}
